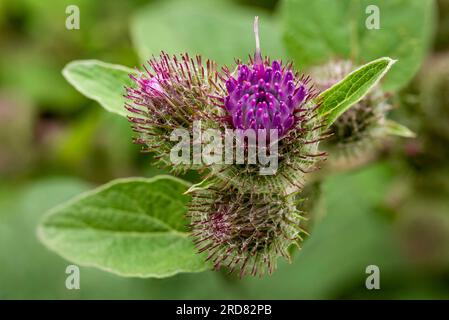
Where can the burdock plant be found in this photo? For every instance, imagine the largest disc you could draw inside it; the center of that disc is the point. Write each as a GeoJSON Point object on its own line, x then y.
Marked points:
{"type": "Point", "coordinates": [237, 218]}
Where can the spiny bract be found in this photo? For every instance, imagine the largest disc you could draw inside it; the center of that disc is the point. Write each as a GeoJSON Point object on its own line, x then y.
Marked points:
{"type": "Point", "coordinates": [171, 93]}
{"type": "Point", "coordinates": [245, 232]}
{"type": "Point", "coordinates": [266, 95]}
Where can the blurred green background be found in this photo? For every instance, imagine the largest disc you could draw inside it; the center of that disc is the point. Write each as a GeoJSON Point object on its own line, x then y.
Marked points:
{"type": "Point", "coordinates": [393, 212]}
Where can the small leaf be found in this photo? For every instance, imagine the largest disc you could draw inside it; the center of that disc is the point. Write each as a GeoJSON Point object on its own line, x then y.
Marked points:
{"type": "Point", "coordinates": [130, 227]}
{"type": "Point", "coordinates": [396, 129]}
{"type": "Point", "coordinates": [339, 98]}
{"type": "Point", "coordinates": [100, 81]}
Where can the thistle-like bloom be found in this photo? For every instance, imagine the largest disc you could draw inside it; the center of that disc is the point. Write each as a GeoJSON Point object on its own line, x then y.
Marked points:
{"type": "Point", "coordinates": [244, 232]}
{"type": "Point", "coordinates": [171, 93]}
{"type": "Point", "coordinates": [267, 95]}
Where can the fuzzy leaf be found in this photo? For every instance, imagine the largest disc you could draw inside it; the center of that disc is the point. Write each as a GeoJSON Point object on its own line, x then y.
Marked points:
{"type": "Point", "coordinates": [130, 227]}
{"type": "Point", "coordinates": [339, 98]}
{"type": "Point", "coordinates": [396, 129]}
{"type": "Point", "coordinates": [100, 81]}
{"type": "Point", "coordinates": [319, 30]}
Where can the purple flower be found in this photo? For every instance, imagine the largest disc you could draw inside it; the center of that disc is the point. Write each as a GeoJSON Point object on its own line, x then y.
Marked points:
{"type": "Point", "coordinates": [265, 96]}
{"type": "Point", "coordinates": [170, 93]}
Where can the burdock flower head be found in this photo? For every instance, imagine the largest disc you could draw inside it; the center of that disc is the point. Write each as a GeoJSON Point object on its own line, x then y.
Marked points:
{"type": "Point", "coordinates": [244, 232]}
{"type": "Point", "coordinates": [170, 93]}
{"type": "Point", "coordinates": [262, 96]}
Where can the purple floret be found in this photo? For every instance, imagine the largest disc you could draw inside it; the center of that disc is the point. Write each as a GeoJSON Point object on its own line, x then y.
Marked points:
{"type": "Point", "coordinates": [264, 97]}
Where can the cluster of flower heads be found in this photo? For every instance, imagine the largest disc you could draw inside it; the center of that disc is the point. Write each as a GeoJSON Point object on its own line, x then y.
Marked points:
{"type": "Point", "coordinates": [358, 128]}
{"type": "Point", "coordinates": [243, 220]}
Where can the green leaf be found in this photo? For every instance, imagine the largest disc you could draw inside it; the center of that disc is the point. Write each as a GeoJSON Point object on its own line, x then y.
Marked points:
{"type": "Point", "coordinates": [320, 30]}
{"type": "Point", "coordinates": [396, 129]}
{"type": "Point", "coordinates": [100, 81]}
{"type": "Point", "coordinates": [217, 30]}
{"type": "Point", "coordinates": [130, 227]}
{"type": "Point", "coordinates": [21, 206]}
{"type": "Point", "coordinates": [339, 98]}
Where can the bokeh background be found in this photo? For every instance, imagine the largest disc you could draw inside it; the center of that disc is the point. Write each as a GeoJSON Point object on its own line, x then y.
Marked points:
{"type": "Point", "coordinates": [392, 212]}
